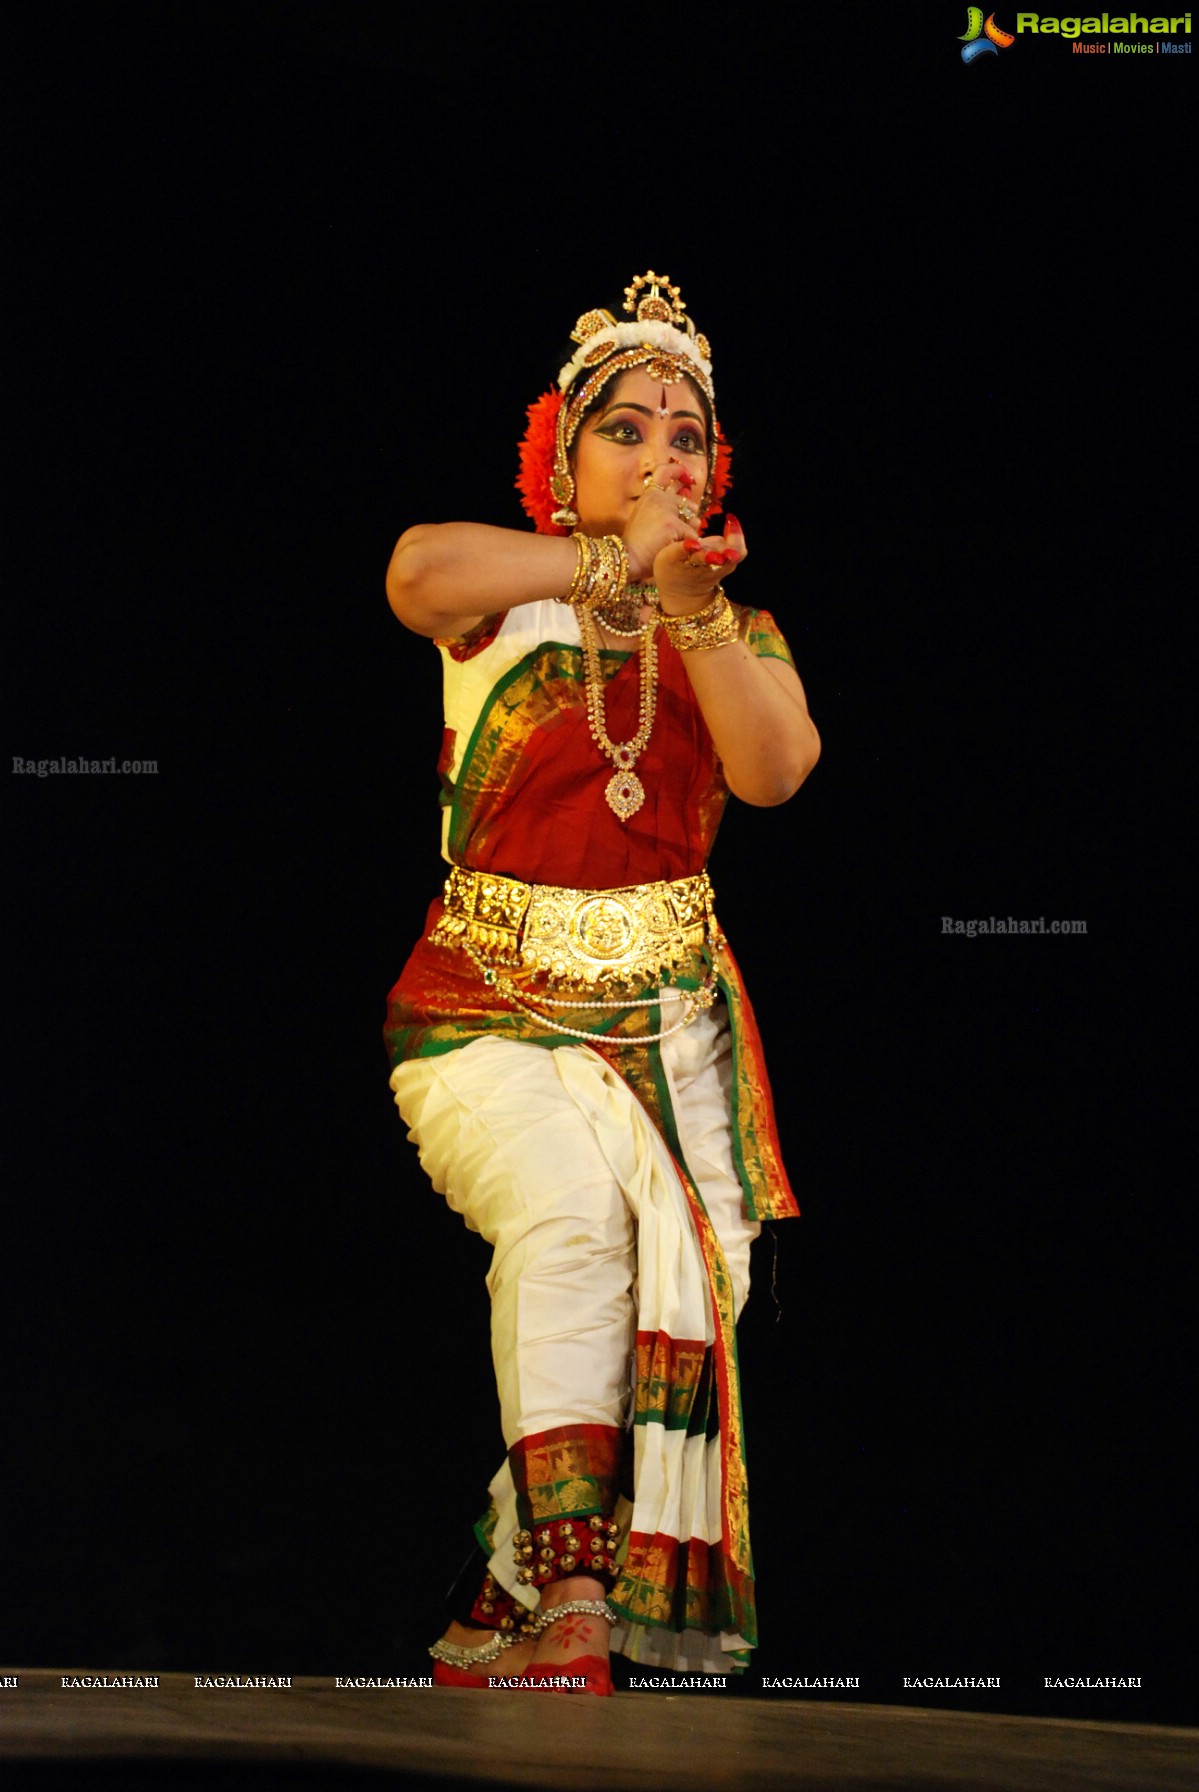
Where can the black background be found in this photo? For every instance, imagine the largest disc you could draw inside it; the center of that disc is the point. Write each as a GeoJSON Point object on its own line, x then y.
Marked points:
{"type": "Point", "coordinates": [286, 278]}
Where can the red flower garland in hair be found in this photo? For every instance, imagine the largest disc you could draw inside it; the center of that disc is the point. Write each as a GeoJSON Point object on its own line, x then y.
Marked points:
{"type": "Point", "coordinates": [537, 464]}
{"type": "Point", "coordinates": [722, 476]}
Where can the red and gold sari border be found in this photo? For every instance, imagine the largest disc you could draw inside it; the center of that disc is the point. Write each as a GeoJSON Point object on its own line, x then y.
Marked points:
{"type": "Point", "coordinates": [568, 1471]}
{"type": "Point", "coordinates": [675, 1384]}
{"type": "Point", "coordinates": [684, 1585]}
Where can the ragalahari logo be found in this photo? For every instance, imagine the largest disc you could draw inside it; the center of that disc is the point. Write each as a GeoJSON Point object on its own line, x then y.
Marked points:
{"type": "Point", "coordinates": [981, 39]}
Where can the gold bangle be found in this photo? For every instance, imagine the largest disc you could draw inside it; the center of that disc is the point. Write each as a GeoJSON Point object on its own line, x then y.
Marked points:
{"type": "Point", "coordinates": [714, 626]}
{"type": "Point", "coordinates": [583, 573]}
{"type": "Point", "coordinates": [613, 575]}
{"type": "Point", "coordinates": [601, 572]}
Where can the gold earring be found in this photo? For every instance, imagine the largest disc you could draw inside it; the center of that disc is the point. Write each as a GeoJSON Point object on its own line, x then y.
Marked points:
{"type": "Point", "coordinates": [562, 487]}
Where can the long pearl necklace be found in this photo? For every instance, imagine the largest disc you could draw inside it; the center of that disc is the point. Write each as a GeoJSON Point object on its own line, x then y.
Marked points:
{"type": "Point", "coordinates": [625, 792]}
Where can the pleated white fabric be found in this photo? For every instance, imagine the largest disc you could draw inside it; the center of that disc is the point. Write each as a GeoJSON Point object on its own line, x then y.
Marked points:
{"type": "Point", "coordinates": [552, 1158]}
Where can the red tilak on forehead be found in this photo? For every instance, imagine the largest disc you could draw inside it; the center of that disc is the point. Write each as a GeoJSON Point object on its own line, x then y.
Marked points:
{"type": "Point", "coordinates": [663, 408]}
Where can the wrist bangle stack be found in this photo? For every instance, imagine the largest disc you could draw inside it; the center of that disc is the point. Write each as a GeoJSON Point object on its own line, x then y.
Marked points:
{"type": "Point", "coordinates": [714, 626]}
{"type": "Point", "coordinates": [601, 574]}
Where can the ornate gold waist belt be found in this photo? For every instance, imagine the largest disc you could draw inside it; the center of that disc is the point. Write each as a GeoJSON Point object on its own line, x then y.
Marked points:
{"type": "Point", "coordinates": [587, 941]}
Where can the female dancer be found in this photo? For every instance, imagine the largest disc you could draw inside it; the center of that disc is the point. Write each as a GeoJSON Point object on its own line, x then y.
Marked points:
{"type": "Point", "coordinates": [573, 1049]}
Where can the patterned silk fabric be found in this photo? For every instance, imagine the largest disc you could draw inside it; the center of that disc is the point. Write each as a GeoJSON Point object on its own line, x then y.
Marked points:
{"type": "Point", "coordinates": [523, 795]}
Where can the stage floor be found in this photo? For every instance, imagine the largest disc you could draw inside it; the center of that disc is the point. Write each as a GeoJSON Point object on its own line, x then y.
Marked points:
{"type": "Point", "coordinates": [313, 1735]}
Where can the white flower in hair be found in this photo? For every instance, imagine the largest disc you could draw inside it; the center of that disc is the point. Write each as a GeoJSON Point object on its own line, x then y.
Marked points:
{"type": "Point", "coordinates": [605, 342]}
{"type": "Point", "coordinates": [659, 316]}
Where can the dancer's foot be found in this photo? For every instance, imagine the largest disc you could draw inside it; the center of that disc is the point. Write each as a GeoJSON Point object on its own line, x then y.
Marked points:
{"type": "Point", "coordinates": [575, 1646]}
{"type": "Point", "coordinates": [510, 1663]}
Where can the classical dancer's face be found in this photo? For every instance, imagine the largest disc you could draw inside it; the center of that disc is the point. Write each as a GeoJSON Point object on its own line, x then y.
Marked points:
{"type": "Point", "coordinates": [628, 437]}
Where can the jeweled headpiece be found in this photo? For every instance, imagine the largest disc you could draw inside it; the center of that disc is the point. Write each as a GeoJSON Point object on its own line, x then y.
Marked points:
{"type": "Point", "coordinates": [663, 340]}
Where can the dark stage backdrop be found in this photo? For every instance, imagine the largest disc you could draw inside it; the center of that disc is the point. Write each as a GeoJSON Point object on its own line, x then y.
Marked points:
{"type": "Point", "coordinates": [286, 277]}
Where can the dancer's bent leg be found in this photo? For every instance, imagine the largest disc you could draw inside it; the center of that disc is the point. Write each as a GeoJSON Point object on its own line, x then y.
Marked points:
{"type": "Point", "coordinates": [515, 1157]}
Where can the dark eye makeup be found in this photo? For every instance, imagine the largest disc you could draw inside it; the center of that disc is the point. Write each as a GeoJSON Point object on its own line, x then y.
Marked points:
{"type": "Point", "coordinates": [628, 429]}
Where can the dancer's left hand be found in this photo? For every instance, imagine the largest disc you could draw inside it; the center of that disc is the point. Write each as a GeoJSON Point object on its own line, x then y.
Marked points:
{"type": "Point", "coordinates": [688, 572]}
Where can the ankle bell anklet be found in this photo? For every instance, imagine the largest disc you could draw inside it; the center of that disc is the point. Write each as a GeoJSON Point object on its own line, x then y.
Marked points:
{"type": "Point", "coordinates": [455, 1655]}
{"type": "Point", "coordinates": [567, 1546]}
{"type": "Point", "coordinates": [496, 1608]}
{"type": "Point", "coordinates": [584, 1608]}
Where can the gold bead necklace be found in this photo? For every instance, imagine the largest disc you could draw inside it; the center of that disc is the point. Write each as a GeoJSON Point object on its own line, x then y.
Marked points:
{"type": "Point", "coordinates": [624, 791]}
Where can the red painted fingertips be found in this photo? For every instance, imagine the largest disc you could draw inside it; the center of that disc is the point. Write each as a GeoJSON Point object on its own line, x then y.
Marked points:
{"type": "Point", "coordinates": [714, 558]}
{"type": "Point", "coordinates": [693, 544]}
{"type": "Point", "coordinates": [731, 525]}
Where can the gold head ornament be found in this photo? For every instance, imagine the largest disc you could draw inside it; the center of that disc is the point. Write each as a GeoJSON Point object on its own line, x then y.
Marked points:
{"type": "Point", "coordinates": [661, 338]}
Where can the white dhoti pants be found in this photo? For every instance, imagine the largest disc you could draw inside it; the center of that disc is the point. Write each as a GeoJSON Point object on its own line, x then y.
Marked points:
{"type": "Point", "coordinates": [550, 1156]}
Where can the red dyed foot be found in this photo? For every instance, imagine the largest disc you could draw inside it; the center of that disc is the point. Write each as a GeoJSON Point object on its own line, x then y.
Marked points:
{"type": "Point", "coordinates": [591, 1669]}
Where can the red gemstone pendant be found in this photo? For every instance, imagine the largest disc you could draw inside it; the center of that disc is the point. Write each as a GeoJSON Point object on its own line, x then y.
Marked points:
{"type": "Point", "coordinates": [625, 793]}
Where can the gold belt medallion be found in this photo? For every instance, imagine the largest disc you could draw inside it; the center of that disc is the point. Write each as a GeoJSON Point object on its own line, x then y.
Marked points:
{"type": "Point", "coordinates": [580, 940]}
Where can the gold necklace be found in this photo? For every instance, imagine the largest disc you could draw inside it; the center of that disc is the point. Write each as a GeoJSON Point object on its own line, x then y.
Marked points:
{"type": "Point", "coordinates": [624, 617]}
{"type": "Point", "coordinates": [624, 791]}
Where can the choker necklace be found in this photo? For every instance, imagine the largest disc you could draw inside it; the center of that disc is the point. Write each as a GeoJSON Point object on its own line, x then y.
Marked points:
{"type": "Point", "coordinates": [623, 617]}
{"type": "Point", "coordinates": [624, 791]}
